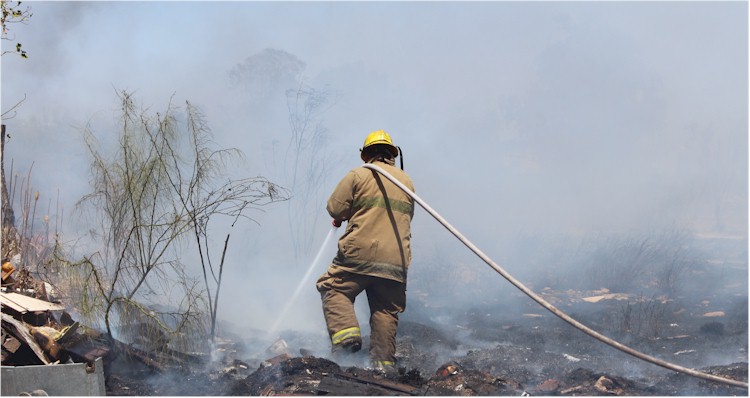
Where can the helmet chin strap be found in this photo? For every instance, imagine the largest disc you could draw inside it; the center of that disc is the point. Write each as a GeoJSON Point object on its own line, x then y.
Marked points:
{"type": "Point", "coordinates": [380, 157]}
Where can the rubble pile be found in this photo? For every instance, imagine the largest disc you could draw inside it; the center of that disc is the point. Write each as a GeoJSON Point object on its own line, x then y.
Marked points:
{"type": "Point", "coordinates": [37, 330]}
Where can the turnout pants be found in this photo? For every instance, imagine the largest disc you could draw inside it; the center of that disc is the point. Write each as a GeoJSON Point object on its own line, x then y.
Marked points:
{"type": "Point", "coordinates": [387, 298]}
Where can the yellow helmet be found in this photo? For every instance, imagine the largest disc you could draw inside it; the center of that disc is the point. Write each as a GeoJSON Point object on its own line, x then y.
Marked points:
{"type": "Point", "coordinates": [380, 137]}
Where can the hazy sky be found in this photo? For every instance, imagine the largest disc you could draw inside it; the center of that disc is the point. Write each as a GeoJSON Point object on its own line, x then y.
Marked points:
{"type": "Point", "coordinates": [575, 118]}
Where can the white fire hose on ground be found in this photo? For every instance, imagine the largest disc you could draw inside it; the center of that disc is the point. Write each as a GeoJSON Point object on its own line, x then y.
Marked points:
{"type": "Point", "coordinates": [546, 304]}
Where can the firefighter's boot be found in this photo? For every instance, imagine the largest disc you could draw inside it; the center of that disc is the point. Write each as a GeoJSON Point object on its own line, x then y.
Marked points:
{"type": "Point", "coordinates": [348, 346]}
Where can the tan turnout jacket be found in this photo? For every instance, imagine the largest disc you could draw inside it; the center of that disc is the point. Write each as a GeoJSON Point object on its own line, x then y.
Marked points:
{"type": "Point", "coordinates": [378, 233]}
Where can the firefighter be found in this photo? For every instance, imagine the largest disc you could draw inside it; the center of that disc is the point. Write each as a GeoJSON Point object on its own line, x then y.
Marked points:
{"type": "Point", "coordinates": [373, 253]}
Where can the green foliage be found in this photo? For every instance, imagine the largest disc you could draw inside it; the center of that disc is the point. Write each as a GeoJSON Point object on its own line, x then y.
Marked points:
{"type": "Point", "coordinates": [13, 12]}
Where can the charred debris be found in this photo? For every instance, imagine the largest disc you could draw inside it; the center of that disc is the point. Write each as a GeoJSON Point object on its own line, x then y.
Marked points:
{"type": "Point", "coordinates": [38, 330]}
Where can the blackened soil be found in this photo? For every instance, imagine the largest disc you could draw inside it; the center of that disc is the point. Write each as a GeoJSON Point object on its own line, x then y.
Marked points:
{"type": "Point", "coordinates": [490, 352]}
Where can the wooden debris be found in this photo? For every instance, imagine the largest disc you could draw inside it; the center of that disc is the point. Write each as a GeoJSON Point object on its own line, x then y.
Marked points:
{"type": "Point", "coordinates": [607, 386]}
{"type": "Point", "coordinates": [277, 359]}
{"type": "Point", "coordinates": [714, 314]}
{"type": "Point", "coordinates": [21, 332]}
{"type": "Point", "coordinates": [571, 358]}
{"type": "Point", "coordinates": [145, 357]}
{"type": "Point", "coordinates": [278, 347]}
{"type": "Point", "coordinates": [24, 304]}
{"type": "Point", "coordinates": [45, 337]}
{"type": "Point", "coordinates": [548, 386]}
{"type": "Point", "coordinates": [86, 349]}
{"type": "Point", "coordinates": [160, 360]}
{"type": "Point", "coordinates": [571, 390]}
{"type": "Point", "coordinates": [609, 296]}
{"type": "Point", "coordinates": [341, 384]}
{"type": "Point", "coordinates": [7, 270]}
{"type": "Point", "coordinates": [11, 344]}
{"type": "Point", "coordinates": [236, 367]}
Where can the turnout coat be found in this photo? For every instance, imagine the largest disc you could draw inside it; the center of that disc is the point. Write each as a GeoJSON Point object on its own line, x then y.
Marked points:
{"type": "Point", "coordinates": [378, 232]}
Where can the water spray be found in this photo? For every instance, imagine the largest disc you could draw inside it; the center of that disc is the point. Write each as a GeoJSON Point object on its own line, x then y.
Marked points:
{"type": "Point", "coordinates": [302, 283]}
{"type": "Point", "coordinates": [541, 301]}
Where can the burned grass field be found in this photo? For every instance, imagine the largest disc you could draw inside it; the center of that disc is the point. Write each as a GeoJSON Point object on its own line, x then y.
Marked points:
{"type": "Point", "coordinates": [464, 333]}
{"type": "Point", "coordinates": [503, 345]}
{"type": "Point", "coordinates": [483, 353]}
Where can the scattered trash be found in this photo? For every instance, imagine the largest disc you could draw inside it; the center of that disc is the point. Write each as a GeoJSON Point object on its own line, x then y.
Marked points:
{"type": "Point", "coordinates": [609, 296]}
{"type": "Point", "coordinates": [714, 314]}
{"type": "Point", "coordinates": [548, 386]}
{"type": "Point", "coordinates": [42, 347]}
{"type": "Point", "coordinates": [8, 269]}
{"type": "Point", "coordinates": [607, 386]}
{"type": "Point", "coordinates": [448, 369]}
{"type": "Point", "coordinates": [571, 358]}
{"type": "Point", "coordinates": [278, 347]}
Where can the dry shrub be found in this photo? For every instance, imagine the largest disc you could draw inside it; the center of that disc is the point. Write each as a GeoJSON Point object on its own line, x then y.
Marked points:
{"type": "Point", "coordinates": [642, 317]}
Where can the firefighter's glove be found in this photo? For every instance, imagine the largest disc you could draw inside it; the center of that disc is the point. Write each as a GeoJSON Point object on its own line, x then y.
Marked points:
{"type": "Point", "coordinates": [336, 223]}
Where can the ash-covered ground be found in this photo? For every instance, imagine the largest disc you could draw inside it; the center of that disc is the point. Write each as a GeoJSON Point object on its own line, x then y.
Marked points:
{"type": "Point", "coordinates": [694, 314]}
{"type": "Point", "coordinates": [485, 353]}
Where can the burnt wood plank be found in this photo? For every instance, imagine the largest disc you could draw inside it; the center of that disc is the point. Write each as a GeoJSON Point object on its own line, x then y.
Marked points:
{"type": "Point", "coordinates": [24, 304]}
{"type": "Point", "coordinates": [341, 384]}
{"type": "Point", "coordinates": [21, 332]}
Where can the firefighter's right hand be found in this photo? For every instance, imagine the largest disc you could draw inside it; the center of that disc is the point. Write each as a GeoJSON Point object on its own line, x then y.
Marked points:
{"type": "Point", "coordinates": [336, 223]}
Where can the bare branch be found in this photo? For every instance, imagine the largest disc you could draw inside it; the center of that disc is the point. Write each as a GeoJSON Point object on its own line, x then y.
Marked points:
{"type": "Point", "coordinates": [160, 188]}
{"type": "Point", "coordinates": [13, 109]}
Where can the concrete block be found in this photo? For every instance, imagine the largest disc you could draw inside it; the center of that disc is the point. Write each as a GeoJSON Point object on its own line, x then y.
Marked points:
{"type": "Point", "coordinates": [75, 379]}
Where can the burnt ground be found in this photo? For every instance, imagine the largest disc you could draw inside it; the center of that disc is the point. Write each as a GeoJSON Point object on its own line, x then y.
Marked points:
{"type": "Point", "coordinates": [468, 333]}
{"type": "Point", "coordinates": [489, 349]}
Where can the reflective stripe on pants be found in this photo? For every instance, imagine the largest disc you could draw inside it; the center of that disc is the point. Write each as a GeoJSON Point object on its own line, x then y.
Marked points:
{"type": "Point", "coordinates": [387, 298]}
{"type": "Point", "coordinates": [342, 335]}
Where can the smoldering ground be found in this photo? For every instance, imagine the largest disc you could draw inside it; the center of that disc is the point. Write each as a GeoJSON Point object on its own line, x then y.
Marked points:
{"type": "Point", "coordinates": [582, 146]}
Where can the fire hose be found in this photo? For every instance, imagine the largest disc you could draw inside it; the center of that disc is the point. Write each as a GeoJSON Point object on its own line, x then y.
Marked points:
{"type": "Point", "coordinates": [541, 301]}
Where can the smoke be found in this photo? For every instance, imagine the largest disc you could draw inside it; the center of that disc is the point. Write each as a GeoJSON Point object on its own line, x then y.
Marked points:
{"type": "Point", "coordinates": [534, 128]}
